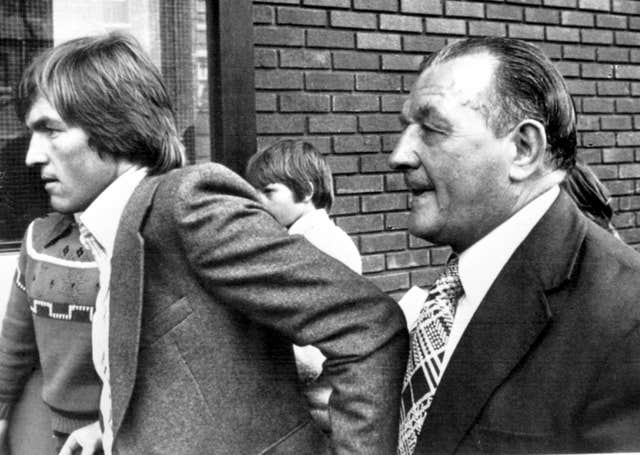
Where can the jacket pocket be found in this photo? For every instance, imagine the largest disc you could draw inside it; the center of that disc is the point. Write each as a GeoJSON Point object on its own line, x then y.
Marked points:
{"type": "Point", "coordinates": [162, 323]}
{"type": "Point", "coordinates": [491, 440]}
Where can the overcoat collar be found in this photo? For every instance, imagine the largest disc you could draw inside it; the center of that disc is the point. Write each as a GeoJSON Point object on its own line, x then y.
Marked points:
{"type": "Point", "coordinates": [508, 321]}
{"type": "Point", "coordinates": [127, 280]}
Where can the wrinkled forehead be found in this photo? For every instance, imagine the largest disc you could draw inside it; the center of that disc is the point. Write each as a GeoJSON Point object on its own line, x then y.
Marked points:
{"type": "Point", "coordinates": [461, 81]}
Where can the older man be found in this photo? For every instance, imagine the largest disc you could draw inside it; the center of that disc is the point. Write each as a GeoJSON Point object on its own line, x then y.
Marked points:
{"type": "Point", "coordinates": [202, 292]}
{"type": "Point", "coordinates": [530, 340]}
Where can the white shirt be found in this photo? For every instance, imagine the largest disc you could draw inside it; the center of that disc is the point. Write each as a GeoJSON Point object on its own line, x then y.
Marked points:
{"type": "Point", "coordinates": [317, 228]}
{"type": "Point", "coordinates": [101, 219]}
{"type": "Point", "coordinates": [479, 266]}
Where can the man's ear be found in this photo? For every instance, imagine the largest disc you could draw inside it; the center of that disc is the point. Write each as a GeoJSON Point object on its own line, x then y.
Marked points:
{"type": "Point", "coordinates": [530, 140]}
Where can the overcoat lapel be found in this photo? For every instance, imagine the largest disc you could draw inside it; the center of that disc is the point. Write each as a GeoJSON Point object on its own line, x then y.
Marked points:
{"type": "Point", "coordinates": [127, 279]}
{"type": "Point", "coordinates": [508, 321]}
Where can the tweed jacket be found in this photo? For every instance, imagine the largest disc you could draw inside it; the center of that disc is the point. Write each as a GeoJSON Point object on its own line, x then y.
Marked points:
{"type": "Point", "coordinates": [208, 293]}
{"type": "Point", "coordinates": [550, 362]}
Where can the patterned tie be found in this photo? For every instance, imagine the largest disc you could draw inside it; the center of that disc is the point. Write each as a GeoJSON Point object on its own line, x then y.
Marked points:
{"type": "Point", "coordinates": [428, 343]}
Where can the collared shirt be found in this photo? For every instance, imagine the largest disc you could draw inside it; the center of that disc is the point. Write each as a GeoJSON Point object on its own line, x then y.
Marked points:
{"type": "Point", "coordinates": [317, 227]}
{"type": "Point", "coordinates": [479, 266]}
{"type": "Point", "coordinates": [98, 227]}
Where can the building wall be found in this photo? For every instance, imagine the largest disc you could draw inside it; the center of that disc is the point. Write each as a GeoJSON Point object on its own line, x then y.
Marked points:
{"type": "Point", "coordinates": [337, 71]}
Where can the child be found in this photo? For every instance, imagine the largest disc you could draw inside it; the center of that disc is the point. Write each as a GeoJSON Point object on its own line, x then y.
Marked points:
{"type": "Point", "coordinates": [294, 183]}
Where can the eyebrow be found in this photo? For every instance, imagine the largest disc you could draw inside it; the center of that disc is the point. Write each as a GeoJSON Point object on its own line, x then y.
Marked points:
{"type": "Point", "coordinates": [45, 122]}
{"type": "Point", "coordinates": [427, 115]}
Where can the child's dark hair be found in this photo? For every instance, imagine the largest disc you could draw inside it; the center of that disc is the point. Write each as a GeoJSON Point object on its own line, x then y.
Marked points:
{"type": "Point", "coordinates": [297, 165]}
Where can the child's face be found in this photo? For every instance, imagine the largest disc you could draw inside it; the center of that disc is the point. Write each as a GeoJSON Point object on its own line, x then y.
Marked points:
{"type": "Point", "coordinates": [280, 201]}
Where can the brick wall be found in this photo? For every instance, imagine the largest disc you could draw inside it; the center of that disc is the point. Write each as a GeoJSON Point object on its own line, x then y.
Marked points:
{"type": "Point", "coordinates": [336, 72]}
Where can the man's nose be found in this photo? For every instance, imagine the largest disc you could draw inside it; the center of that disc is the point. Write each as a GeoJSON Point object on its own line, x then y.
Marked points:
{"type": "Point", "coordinates": [404, 153]}
{"type": "Point", "coordinates": [36, 153]}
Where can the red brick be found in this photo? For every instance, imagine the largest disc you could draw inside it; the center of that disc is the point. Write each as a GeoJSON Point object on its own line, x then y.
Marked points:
{"type": "Point", "coordinates": [620, 187]}
{"type": "Point", "coordinates": [425, 277]}
{"type": "Point", "coordinates": [266, 102]}
{"type": "Point", "coordinates": [424, 44]}
{"type": "Point", "coordinates": [406, 259]}
{"type": "Point", "coordinates": [400, 23]}
{"type": "Point", "coordinates": [634, 23]}
{"type": "Point", "coordinates": [635, 89]}
{"type": "Point", "coordinates": [361, 223]}
{"type": "Point", "coordinates": [627, 71]}
{"type": "Point", "coordinates": [446, 26]}
{"type": "Point", "coordinates": [551, 50]}
{"type": "Point", "coordinates": [279, 124]}
{"type": "Point", "coordinates": [288, 2]}
{"type": "Point", "coordinates": [356, 103]}
{"type": "Point", "coordinates": [606, 171]}
{"type": "Point", "coordinates": [579, 52]}
{"type": "Point", "coordinates": [393, 103]}
{"type": "Point", "coordinates": [415, 242]}
{"type": "Point", "coordinates": [598, 139]}
{"type": "Point", "coordinates": [391, 62]}
{"type": "Point", "coordinates": [379, 123]}
{"type": "Point", "coordinates": [607, 54]}
{"type": "Point", "coordinates": [342, 164]}
{"type": "Point", "coordinates": [597, 36]}
{"type": "Point", "coordinates": [601, 5]}
{"type": "Point", "coordinates": [568, 69]}
{"type": "Point", "coordinates": [394, 182]}
{"type": "Point", "coordinates": [374, 163]}
{"type": "Point", "coordinates": [389, 140]}
{"type": "Point", "coordinates": [626, 6]}
{"type": "Point", "coordinates": [627, 38]}
{"type": "Point", "coordinates": [384, 202]}
{"type": "Point", "coordinates": [376, 5]}
{"type": "Point", "coordinates": [432, 7]}
{"type": "Point", "coordinates": [332, 123]}
{"type": "Point", "coordinates": [561, 3]}
{"type": "Point", "coordinates": [563, 34]}
{"type": "Point", "coordinates": [597, 71]}
{"type": "Point", "coordinates": [348, 19]}
{"type": "Point", "coordinates": [464, 9]}
{"type": "Point", "coordinates": [378, 82]}
{"type": "Point", "coordinates": [361, 143]}
{"type": "Point", "coordinates": [278, 36]}
{"type": "Point", "coordinates": [541, 16]}
{"type": "Point", "coordinates": [300, 16]}
{"type": "Point", "coordinates": [628, 105]}
{"type": "Point", "coordinates": [263, 14]}
{"type": "Point", "coordinates": [302, 102]}
{"type": "Point", "coordinates": [613, 88]}
{"type": "Point", "coordinates": [504, 12]}
{"type": "Point", "coordinates": [616, 122]}
{"type": "Point", "coordinates": [391, 281]}
{"type": "Point", "coordinates": [617, 155]}
{"type": "Point", "coordinates": [334, 39]}
{"type": "Point", "coordinates": [351, 60]}
{"type": "Point", "coordinates": [631, 202]}
{"type": "Point", "coordinates": [380, 41]}
{"type": "Point", "coordinates": [440, 255]}
{"type": "Point", "coordinates": [579, 87]}
{"type": "Point", "coordinates": [345, 205]}
{"type": "Point", "coordinates": [396, 221]}
{"type": "Point", "coordinates": [622, 220]}
{"type": "Point", "coordinates": [373, 263]}
{"type": "Point", "coordinates": [527, 2]}
{"type": "Point", "coordinates": [588, 122]}
{"type": "Point", "coordinates": [484, 28]}
{"type": "Point", "coordinates": [577, 18]}
{"type": "Point", "coordinates": [590, 156]}
{"type": "Point", "coordinates": [629, 138]}
{"type": "Point", "coordinates": [328, 81]}
{"type": "Point", "coordinates": [358, 184]}
{"type": "Point", "coordinates": [630, 235]}
{"type": "Point", "coordinates": [265, 58]}
{"type": "Point", "coordinates": [305, 58]}
{"type": "Point", "coordinates": [329, 3]}
{"type": "Point", "coordinates": [278, 79]}
{"type": "Point", "coordinates": [597, 105]}
{"type": "Point", "coordinates": [387, 241]}
{"type": "Point", "coordinates": [526, 32]}
{"type": "Point", "coordinates": [611, 21]}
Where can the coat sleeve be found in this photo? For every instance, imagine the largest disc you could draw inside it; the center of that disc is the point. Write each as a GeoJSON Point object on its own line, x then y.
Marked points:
{"type": "Point", "coordinates": [244, 258]}
{"type": "Point", "coordinates": [18, 350]}
{"type": "Point", "coordinates": [611, 420]}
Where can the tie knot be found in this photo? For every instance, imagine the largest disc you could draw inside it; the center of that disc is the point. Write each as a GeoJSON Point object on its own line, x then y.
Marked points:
{"type": "Point", "coordinates": [448, 283]}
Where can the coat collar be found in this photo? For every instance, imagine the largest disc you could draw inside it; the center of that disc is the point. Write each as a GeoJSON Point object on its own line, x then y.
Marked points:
{"type": "Point", "coordinates": [127, 278]}
{"type": "Point", "coordinates": [508, 321]}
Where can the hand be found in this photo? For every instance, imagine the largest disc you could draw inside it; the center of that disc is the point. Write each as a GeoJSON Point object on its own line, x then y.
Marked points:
{"type": "Point", "coordinates": [4, 440]}
{"type": "Point", "coordinates": [88, 438]}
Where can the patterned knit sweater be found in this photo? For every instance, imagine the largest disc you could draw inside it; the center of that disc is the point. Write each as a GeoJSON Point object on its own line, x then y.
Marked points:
{"type": "Point", "coordinates": [48, 321]}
